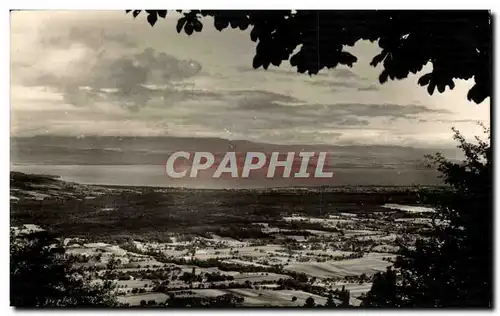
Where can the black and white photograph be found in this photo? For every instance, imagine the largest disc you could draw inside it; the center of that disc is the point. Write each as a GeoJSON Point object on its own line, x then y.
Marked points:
{"type": "Point", "coordinates": [285, 159]}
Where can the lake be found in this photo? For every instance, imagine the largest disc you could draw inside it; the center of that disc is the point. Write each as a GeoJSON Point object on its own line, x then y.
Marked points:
{"type": "Point", "coordinates": [154, 175]}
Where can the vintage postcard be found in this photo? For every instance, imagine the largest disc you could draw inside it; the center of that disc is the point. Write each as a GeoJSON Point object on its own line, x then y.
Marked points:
{"type": "Point", "coordinates": [251, 159]}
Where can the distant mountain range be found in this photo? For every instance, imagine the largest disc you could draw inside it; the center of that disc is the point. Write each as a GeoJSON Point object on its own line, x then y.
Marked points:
{"type": "Point", "coordinates": [94, 150]}
{"type": "Point", "coordinates": [138, 161]}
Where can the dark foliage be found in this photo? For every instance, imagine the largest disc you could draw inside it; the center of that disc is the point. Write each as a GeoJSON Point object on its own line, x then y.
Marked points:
{"type": "Point", "coordinates": [344, 296]}
{"type": "Point", "coordinates": [330, 302]}
{"type": "Point", "coordinates": [143, 214]}
{"type": "Point", "coordinates": [42, 275]}
{"type": "Point", "coordinates": [309, 302]}
{"type": "Point", "coordinates": [457, 43]}
{"type": "Point", "coordinates": [222, 301]}
{"type": "Point", "coordinates": [453, 266]}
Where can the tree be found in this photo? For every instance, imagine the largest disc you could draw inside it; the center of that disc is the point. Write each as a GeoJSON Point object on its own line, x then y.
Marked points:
{"type": "Point", "coordinates": [453, 266]}
{"type": "Point", "coordinates": [383, 291]}
{"type": "Point", "coordinates": [344, 297]}
{"type": "Point", "coordinates": [309, 302]}
{"type": "Point", "coordinates": [330, 301]}
{"type": "Point", "coordinates": [42, 275]}
{"type": "Point", "coordinates": [363, 278]}
{"type": "Point", "coordinates": [456, 43]}
{"type": "Point", "coordinates": [112, 262]}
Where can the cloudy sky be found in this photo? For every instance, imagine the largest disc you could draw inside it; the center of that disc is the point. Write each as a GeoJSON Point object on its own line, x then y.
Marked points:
{"type": "Point", "coordinates": [103, 73]}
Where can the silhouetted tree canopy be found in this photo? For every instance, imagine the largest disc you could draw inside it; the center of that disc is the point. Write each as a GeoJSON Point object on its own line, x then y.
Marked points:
{"type": "Point", "coordinates": [309, 302]}
{"type": "Point", "coordinates": [330, 301]}
{"type": "Point", "coordinates": [453, 267]}
{"type": "Point", "coordinates": [42, 275]}
{"type": "Point", "coordinates": [457, 43]}
{"type": "Point", "coordinates": [383, 291]}
{"type": "Point", "coordinates": [344, 297]}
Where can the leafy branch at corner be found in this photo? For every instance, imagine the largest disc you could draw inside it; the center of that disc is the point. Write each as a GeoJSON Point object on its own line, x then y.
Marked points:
{"type": "Point", "coordinates": [457, 43]}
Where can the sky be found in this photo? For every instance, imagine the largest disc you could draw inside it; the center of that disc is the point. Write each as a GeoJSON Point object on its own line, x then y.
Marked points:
{"type": "Point", "coordinates": [103, 73]}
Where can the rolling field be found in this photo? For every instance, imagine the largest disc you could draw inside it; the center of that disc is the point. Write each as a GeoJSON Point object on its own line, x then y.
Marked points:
{"type": "Point", "coordinates": [269, 247]}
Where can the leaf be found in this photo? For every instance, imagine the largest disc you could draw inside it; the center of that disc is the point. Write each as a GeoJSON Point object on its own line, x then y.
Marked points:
{"type": "Point", "coordinates": [254, 34]}
{"type": "Point", "coordinates": [425, 79]}
{"type": "Point", "coordinates": [377, 59]}
{"type": "Point", "coordinates": [276, 62]}
{"type": "Point", "coordinates": [136, 13]}
{"type": "Point", "coordinates": [257, 61]}
{"type": "Point", "coordinates": [180, 24]}
{"type": "Point", "coordinates": [478, 93]}
{"type": "Point", "coordinates": [197, 26]}
{"type": "Point", "coordinates": [347, 58]}
{"type": "Point", "coordinates": [383, 76]}
{"type": "Point", "coordinates": [220, 24]}
{"type": "Point", "coordinates": [431, 88]}
{"type": "Point", "coordinates": [162, 13]}
{"type": "Point", "coordinates": [295, 59]}
{"type": "Point", "coordinates": [189, 29]}
{"type": "Point", "coordinates": [244, 25]}
{"type": "Point", "coordinates": [127, 11]}
{"type": "Point", "coordinates": [441, 87]}
{"type": "Point", "coordinates": [152, 18]}
{"type": "Point", "coordinates": [451, 84]}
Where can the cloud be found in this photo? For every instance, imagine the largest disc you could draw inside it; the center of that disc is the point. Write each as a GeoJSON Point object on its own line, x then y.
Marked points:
{"type": "Point", "coordinates": [95, 38]}
{"type": "Point", "coordinates": [261, 100]}
{"type": "Point", "coordinates": [282, 70]}
{"type": "Point", "coordinates": [270, 70]}
{"type": "Point", "coordinates": [343, 85]}
{"type": "Point", "coordinates": [371, 87]}
{"type": "Point", "coordinates": [348, 109]}
{"type": "Point", "coordinates": [128, 75]}
{"type": "Point", "coordinates": [351, 121]}
{"type": "Point", "coordinates": [271, 119]}
{"type": "Point", "coordinates": [379, 110]}
{"type": "Point", "coordinates": [335, 84]}
{"type": "Point", "coordinates": [342, 78]}
{"type": "Point", "coordinates": [70, 60]}
{"type": "Point", "coordinates": [147, 67]}
{"type": "Point", "coordinates": [344, 73]}
{"type": "Point", "coordinates": [269, 114]}
{"type": "Point", "coordinates": [456, 121]}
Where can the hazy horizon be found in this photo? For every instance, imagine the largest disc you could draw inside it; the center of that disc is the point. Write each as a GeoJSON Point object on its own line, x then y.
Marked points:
{"type": "Point", "coordinates": [140, 161]}
{"type": "Point", "coordinates": [103, 73]}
